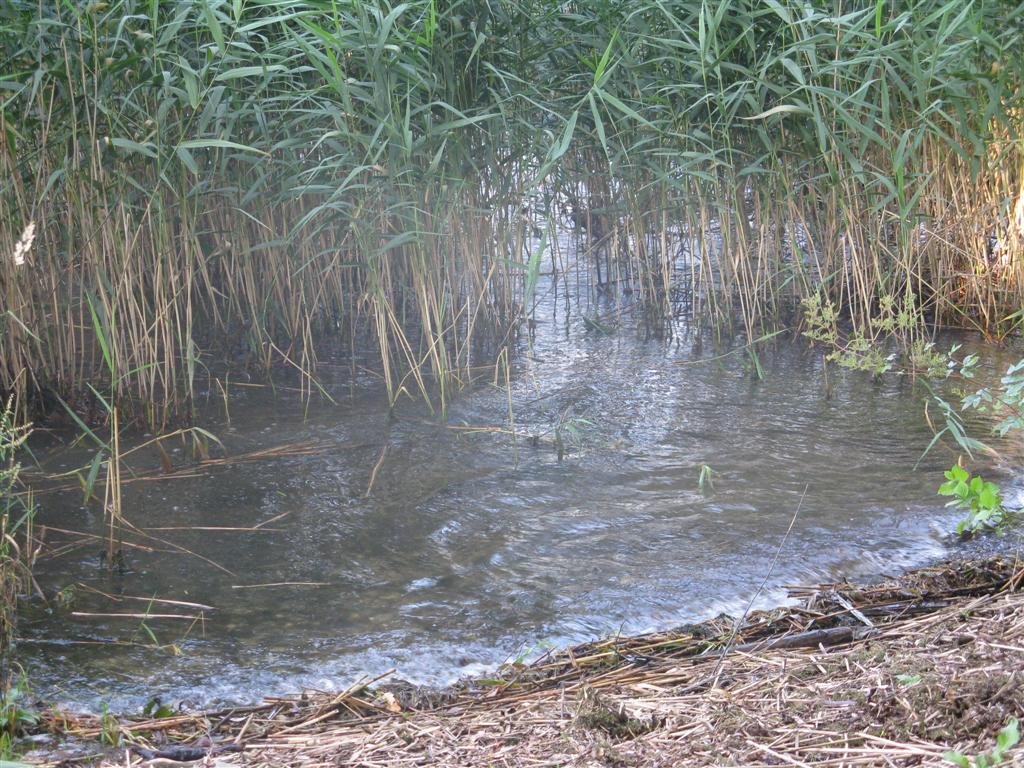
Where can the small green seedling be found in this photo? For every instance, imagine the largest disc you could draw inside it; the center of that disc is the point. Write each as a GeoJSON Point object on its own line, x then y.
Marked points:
{"type": "Point", "coordinates": [1005, 741]}
{"type": "Point", "coordinates": [706, 480]}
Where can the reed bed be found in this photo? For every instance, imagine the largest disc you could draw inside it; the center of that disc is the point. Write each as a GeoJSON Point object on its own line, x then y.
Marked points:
{"type": "Point", "coordinates": [216, 186]}
{"type": "Point", "coordinates": [893, 674]}
{"type": "Point", "coordinates": [17, 509]}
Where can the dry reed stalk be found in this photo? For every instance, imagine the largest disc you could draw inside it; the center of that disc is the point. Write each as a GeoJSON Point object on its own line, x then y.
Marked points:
{"type": "Point", "coordinates": [231, 208]}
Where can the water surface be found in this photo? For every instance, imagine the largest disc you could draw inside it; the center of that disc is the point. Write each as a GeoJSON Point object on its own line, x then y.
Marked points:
{"type": "Point", "coordinates": [474, 546]}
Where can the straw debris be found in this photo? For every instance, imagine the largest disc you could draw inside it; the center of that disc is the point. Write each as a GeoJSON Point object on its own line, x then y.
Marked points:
{"type": "Point", "coordinates": [893, 674]}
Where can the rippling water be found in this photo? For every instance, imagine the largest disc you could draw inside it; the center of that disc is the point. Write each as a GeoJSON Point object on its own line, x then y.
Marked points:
{"type": "Point", "coordinates": [476, 546]}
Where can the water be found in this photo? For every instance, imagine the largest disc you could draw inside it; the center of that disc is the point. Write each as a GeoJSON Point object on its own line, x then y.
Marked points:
{"type": "Point", "coordinates": [473, 547]}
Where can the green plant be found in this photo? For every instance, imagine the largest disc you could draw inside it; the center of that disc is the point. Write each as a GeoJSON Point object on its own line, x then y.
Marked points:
{"type": "Point", "coordinates": [65, 597]}
{"type": "Point", "coordinates": [705, 480]}
{"type": "Point", "coordinates": [16, 512]}
{"type": "Point", "coordinates": [569, 433]}
{"type": "Point", "coordinates": [1005, 402]}
{"type": "Point", "coordinates": [156, 709]}
{"type": "Point", "coordinates": [110, 726]}
{"type": "Point", "coordinates": [888, 342]}
{"type": "Point", "coordinates": [980, 498]}
{"type": "Point", "coordinates": [1006, 740]}
{"type": "Point", "coordinates": [15, 717]}
{"type": "Point", "coordinates": [527, 652]}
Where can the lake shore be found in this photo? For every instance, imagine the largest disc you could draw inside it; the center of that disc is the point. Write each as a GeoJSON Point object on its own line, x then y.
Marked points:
{"type": "Point", "coordinates": [897, 673]}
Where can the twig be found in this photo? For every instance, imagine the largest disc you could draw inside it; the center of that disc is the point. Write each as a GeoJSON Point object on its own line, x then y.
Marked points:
{"type": "Point", "coordinates": [746, 611]}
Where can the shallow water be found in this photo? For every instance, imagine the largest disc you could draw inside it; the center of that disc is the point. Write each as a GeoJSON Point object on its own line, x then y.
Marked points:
{"type": "Point", "coordinates": [476, 546]}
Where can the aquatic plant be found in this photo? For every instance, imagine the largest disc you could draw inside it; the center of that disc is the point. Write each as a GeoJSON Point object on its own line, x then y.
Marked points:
{"type": "Point", "coordinates": [16, 513]}
{"type": "Point", "coordinates": [568, 432]}
{"type": "Point", "coordinates": [15, 559]}
{"type": "Point", "coordinates": [1004, 402]}
{"type": "Point", "coordinates": [706, 479]}
{"type": "Point", "coordinates": [15, 715]}
{"type": "Point", "coordinates": [979, 498]}
{"type": "Point", "coordinates": [218, 185]}
{"type": "Point", "coordinates": [110, 727]}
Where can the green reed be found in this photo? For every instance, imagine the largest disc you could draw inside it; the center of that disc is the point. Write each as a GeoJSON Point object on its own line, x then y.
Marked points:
{"type": "Point", "coordinates": [16, 559]}
{"type": "Point", "coordinates": [259, 182]}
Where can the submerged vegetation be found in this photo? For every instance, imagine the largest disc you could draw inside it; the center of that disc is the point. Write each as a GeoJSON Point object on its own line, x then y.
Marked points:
{"type": "Point", "coordinates": [218, 185]}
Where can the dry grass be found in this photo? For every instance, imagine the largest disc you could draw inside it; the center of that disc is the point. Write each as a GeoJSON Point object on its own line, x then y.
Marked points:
{"type": "Point", "coordinates": [890, 675]}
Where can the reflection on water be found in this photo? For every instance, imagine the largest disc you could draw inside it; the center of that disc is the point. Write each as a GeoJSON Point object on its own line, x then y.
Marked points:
{"type": "Point", "coordinates": [476, 545]}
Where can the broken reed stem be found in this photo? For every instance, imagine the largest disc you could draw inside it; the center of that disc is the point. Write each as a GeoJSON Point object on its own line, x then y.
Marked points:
{"type": "Point", "coordinates": [727, 648]}
{"type": "Point", "coordinates": [112, 491]}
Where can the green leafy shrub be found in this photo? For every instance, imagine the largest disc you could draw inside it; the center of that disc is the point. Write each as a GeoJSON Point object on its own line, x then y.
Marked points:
{"type": "Point", "coordinates": [981, 499]}
{"type": "Point", "coordinates": [888, 342]}
{"type": "Point", "coordinates": [1006, 402]}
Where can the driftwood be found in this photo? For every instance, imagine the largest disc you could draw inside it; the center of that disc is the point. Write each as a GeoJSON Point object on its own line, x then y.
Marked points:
{"type": "Point", "coordinates": [810, 639]}
{"type": "Point", "coordinates": [184, 753]}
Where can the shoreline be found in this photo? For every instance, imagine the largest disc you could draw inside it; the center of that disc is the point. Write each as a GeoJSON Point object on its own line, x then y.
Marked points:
{"type": "Point", "coordinates": [849, 668]}
{"type": "Point", "coordinates": [451, 668]}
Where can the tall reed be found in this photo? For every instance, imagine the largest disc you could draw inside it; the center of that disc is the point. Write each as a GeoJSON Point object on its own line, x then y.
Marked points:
{"type": "Point", "coordinates": [255, 182]}
{"type": "Point", "coordinates": [16, 559]}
